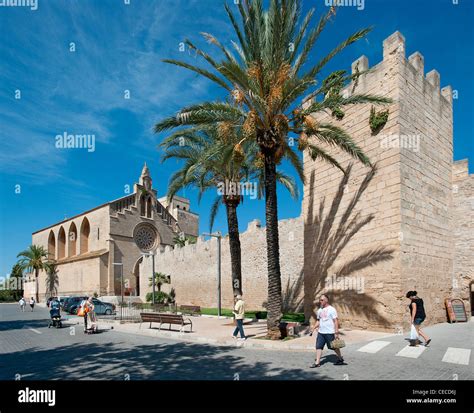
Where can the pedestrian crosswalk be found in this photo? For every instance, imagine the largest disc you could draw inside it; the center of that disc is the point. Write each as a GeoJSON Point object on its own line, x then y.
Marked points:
{"type": "Point", "coordinates": [411, 352]}
{"type": "Point", "coordinates": [452, 355]}
{"type": "Point", "coordinates": [457, 355]}
{"type": "Point", "coordinates": [374, 346]}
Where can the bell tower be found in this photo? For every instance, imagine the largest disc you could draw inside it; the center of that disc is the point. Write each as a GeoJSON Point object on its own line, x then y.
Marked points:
{"type": "Point", "coordinates": [145, 178]}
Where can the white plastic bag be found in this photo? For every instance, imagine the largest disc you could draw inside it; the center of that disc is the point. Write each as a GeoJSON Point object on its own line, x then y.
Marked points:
{"type": "Point", "coordinates": [413, 333]}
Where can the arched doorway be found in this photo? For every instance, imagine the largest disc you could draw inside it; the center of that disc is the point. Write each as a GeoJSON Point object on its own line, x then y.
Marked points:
{"type": "Point", "coordinates": [136, 273]}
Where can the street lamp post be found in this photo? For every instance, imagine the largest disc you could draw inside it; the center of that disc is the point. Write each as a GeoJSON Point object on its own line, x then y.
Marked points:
{"type": "Point", "coordinates": [152, 254]}
{"type": "Point", "coordinates": [218, 235]}
{"type": "Point", "coordinates": [121, 287]}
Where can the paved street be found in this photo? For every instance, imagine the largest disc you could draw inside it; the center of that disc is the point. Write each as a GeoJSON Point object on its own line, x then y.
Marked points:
{"type": "Point", "coordinates": [34, 352]}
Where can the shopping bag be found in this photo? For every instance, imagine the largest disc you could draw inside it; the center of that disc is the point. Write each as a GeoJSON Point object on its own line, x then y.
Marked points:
{"type": "Point", "coordinates": [337, 343]}
{"type": "Point", "coordinates": [413, 333]}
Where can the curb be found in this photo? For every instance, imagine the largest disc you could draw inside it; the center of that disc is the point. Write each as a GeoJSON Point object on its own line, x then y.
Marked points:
{"type": "Point", "coordinates": [184, 337]}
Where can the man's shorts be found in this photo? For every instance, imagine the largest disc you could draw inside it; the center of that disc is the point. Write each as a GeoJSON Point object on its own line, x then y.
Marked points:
{"type": "Point", "coordinates": [417, 321]}
{"type": "Point", "coordinates": [323, 339]}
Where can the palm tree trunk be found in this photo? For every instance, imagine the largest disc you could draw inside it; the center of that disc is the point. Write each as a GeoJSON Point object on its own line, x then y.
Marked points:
{"type": "Point", "coordinates": [37, 284]}
{"type": "Point", "coordinates": [234, 244]}
{"type": "Point", "coordinates": [273, 250]}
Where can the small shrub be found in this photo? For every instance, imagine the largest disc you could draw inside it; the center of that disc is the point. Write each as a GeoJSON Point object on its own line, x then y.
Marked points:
{"type": "Point", "coordinates": [377, 120]}
{"type": "Point", "coordinates": [160, 297]}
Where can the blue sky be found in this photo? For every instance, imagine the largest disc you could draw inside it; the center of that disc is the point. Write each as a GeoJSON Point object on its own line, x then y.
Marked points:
{"type": "Point", "coordinates": [119, 47]}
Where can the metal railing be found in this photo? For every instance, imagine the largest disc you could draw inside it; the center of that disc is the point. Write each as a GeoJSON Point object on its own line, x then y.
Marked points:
{"type": "Point", "coordinates": [131, 311]}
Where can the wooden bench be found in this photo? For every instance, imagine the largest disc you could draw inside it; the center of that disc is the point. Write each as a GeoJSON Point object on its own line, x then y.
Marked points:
{"type": "Point", "coordinates": [166, 319]}
{"type": "Point", "coordinates": [190, 309]}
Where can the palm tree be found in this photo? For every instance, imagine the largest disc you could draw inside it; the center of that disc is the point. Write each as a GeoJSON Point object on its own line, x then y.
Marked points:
{"type": "Point", "coordinates": [267, 78]}
{"type": "Point", "coordinates": [181, 239]}
{"type": "Point", "coordinates": [160, 279]}
{"type": "Point", "coordinates": [215, 159]}
{"type": "Point", "coordinates": [52, 279]}
{"type": "Point", "coordinates": [35, 259]}
{"type": "Point", "coordinates": [16, 277]}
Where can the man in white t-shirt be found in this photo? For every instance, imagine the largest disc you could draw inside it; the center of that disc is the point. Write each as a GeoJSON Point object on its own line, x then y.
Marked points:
{"type": "Point", "coordinates": [328, 330]}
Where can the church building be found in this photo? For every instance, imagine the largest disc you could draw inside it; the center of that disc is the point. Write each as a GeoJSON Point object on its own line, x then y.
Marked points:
{"type": "Point", "coordinates": [95, 249]}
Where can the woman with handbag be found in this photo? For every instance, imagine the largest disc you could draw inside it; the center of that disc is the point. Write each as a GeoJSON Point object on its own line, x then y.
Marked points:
{"type": "Point", "coordinates": [328, 332]}
{"type": "Point", "coordinates": [83, 311]}
{"type": "Point", "coordinates": [417, 316]}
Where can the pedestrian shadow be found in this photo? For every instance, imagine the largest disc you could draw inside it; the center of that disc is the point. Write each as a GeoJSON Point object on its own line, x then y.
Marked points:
{"type": "Point", "coordinates": [128, 361]}
{"type": "Point", "coordinates": [330, 359]}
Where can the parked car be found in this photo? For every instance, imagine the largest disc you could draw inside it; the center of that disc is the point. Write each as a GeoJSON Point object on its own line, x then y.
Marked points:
{"type": "Point", "coordinates": [72, 304]}
{"type": "Point", "coordinates": [101, 307]}
{"type": "Point", "coordinates": [62, 300]}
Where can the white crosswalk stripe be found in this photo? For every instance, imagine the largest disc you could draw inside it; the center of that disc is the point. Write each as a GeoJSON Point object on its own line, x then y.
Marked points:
{"type": "Point", "coordinates": [35, 330]}
{"type": "Point", "coordinates": [374, 346]}
{"type": "Point", "coordinates": [457, 355]}
{"type": "Point", "coordinates": [411, 352]}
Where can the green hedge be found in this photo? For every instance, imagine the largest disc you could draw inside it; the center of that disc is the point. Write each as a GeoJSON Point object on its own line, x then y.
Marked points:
{"type": "Point", "coordinates": [10, 295]}
{"type": "Point", "coordinates": [160, 297]}
{"type": "Point", "coordinates": [261, 315]}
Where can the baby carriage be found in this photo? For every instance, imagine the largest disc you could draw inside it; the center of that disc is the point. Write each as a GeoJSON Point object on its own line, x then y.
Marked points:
{"type": "Point", "coordinates": [55, 314]}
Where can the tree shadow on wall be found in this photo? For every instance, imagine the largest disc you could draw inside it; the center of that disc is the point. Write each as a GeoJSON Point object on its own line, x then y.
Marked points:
{"type": "Point", "coordinates": [292, 296]}
{"type": "Point", "coordinates": [328, 241]}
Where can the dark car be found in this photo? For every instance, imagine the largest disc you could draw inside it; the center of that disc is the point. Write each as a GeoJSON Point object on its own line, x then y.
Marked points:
{"type": "Point", "coordinates": [101, 307]}
{"type": "Point", "coordinates": [73, 303]}
{"type": "Point", "coordinates": [62, 300]}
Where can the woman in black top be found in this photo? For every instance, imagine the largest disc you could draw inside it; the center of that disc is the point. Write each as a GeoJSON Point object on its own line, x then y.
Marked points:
{"type": "Point", "coordinates": [417, 313]}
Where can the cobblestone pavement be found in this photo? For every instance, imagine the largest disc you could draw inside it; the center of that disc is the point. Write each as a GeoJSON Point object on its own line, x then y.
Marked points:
{"type": "Point", "coordinates": [31, 351]}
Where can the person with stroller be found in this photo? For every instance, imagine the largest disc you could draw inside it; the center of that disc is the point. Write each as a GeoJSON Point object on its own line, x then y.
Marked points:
{"type": "Point", "coordinates": [55, 313]}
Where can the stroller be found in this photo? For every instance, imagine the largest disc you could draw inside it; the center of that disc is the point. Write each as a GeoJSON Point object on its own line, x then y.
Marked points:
{"type": "Point", "coordinates": [55, 314]}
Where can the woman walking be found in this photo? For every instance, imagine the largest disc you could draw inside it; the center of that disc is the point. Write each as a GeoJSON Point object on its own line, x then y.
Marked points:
{"type": "Point", "coordinates": [417, 313]}
{"type": "Point", "coordinates": [32, 303]}
{"type": "Point", "coordinates": [91, 315]}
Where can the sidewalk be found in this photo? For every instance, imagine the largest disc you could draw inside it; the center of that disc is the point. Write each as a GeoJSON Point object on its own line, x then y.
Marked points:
{"type": "Point", "coordinates": [218, 331]}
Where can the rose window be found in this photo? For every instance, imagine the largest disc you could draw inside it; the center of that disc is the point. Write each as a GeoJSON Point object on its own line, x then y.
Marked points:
{"type": "Point", "coordinates": [145, 237]}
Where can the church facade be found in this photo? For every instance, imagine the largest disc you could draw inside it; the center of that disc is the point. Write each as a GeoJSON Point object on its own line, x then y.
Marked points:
{"type": "Point", "coordinates": [95, 250]}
